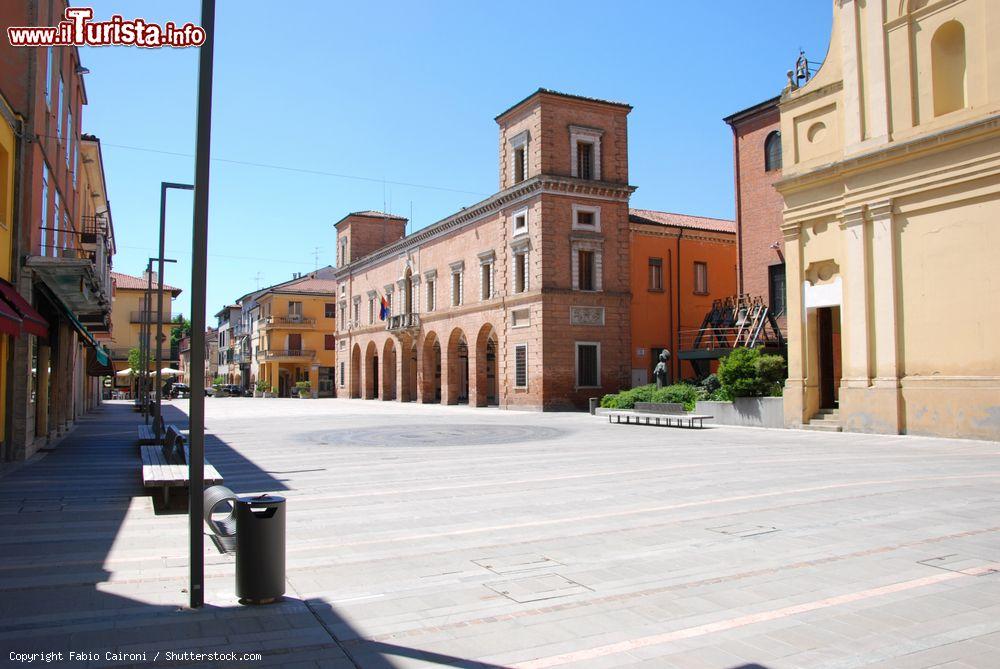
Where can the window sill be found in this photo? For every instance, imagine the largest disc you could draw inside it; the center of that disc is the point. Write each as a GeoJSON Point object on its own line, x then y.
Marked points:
{"type": "Point", "coordinates": [655, 290]}
{"type": "Point", "coordinates": [700, 294]}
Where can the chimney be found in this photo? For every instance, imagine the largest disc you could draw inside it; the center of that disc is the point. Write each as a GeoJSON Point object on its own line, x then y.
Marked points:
{"type": "Point", "coordinates": [150, 277]}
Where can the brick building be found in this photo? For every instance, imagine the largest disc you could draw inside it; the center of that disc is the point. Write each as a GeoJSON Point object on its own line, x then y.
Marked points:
{"type": "Point", "coordinates": [61, 238]}
{"type": "Point", "coordinates": [534, 277]}
{"type": "Point", "coordinates": [760, 266]}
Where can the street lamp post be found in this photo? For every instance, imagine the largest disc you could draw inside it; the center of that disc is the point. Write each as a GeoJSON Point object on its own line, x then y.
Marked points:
{"type": "Point", "coordinates": [158, 416]}
{"type": "Point", "coordinates": [144, 325]}
{"type": "Point", "coordinates": [199, 269]}
{"type": "Point", "coordinates": [158, 419]}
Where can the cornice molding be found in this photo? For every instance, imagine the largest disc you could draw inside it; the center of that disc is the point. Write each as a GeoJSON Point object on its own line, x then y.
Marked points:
{"type": "Point", "coordinates": [541, 184]}
{"type": "Point", "coordinates": [891, 153]}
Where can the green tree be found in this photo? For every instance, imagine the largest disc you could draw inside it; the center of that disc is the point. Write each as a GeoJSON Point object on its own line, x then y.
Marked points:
{"type": "Point", "coordinates": [134, 360]}
{"type": "Point", "coordinates": [181, 328]}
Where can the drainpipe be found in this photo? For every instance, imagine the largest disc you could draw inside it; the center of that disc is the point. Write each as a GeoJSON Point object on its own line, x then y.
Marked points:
{"type": "Point", "coordinates": [677, 348]}
{"type": "Point", "coordinates": [739, 211]}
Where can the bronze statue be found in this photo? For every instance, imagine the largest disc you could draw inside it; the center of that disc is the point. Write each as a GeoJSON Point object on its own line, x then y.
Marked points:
{"type": "Point", "coordinates": [661, 372]}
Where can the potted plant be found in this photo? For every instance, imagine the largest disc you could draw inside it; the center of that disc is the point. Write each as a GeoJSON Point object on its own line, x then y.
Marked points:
{"type": "Point", "coordinates": [260, 389]}
{"type": "Point", "coordinates": [273, 392]}
{"type": "Point", "coordinates": [304, 389]}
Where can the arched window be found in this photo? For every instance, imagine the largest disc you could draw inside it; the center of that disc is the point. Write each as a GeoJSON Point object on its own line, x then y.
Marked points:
{"type": "Point", "coordinates": [772, 152]}
{"type": "Point", "coordinates": [948, 67]}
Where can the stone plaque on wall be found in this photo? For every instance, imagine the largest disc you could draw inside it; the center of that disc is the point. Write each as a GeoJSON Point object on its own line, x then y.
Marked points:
{"type": "Point", "coordinates": [586, 316]}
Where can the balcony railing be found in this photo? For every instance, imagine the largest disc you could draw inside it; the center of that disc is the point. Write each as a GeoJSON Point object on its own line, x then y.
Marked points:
{"type": "Point", "coordinates": [92, 244]}
{"type": "Point", "coordinates": [150, 317]}
{"type": "Point", "coordinates": [402, 322]}
{"type": "Point", "coordinates": [278, 354]}
{"type": "Point", "coordinates": [121, 353]}
{"type": "Point", "coordinates": [94, 227]}
{"type": "Point", "coordinates": [290, 321]}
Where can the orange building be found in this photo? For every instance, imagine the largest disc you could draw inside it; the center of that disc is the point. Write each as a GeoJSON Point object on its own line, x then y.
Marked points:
{"type": "Point", "coordinates": [680, 265]}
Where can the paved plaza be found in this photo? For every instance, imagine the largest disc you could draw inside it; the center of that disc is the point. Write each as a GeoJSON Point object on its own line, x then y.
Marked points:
{"type": "Point", "coordinates": [423, 536]}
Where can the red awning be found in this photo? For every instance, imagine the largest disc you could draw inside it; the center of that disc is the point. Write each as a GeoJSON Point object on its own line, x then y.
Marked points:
{"type": "Point", "coordinates": [32, 322]}
{"type": "Point", "coordinates": [10, 321]}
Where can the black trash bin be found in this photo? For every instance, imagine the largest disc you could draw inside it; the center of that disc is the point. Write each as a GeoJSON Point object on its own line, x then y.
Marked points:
{"type": "Point", "coordinates": [593, 405]}
{"type": "Point", "coordinates": [260, 548]}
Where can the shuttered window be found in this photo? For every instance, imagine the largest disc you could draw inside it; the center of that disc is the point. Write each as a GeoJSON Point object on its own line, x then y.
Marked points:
{"type": "Point", "coordinates": [521, 366]}
{"type": "Point", "coordinates": [587, 366]}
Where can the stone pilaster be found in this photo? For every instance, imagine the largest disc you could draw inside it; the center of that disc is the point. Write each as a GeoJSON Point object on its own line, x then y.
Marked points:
{"type": "Point", "coordinates": [794, 394]}
{"type": "Point", "coordinates": [886, 297]}
{"type": "Point", "coordinates": [854, 310]}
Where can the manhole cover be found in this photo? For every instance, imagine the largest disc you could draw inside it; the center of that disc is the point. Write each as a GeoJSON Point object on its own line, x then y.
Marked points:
{"type": "Point", "coordinates": [963, 564]}
{"type": "Point", "coordinates": [743, 531]}
{"type": "Point", "coordinates": [512, 564]}
{"type": "Point", "coordinates": [537, 588]}
{"type": "Point", "coordinates": [437, 435]}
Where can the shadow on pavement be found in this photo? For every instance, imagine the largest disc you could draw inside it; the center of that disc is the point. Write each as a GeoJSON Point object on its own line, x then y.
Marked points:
{"type": "Point", "coordinates": [76, 577]}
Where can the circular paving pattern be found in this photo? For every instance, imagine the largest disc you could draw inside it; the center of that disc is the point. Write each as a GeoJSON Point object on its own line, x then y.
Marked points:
{"type": "Point", "coordinates": [471, 434]}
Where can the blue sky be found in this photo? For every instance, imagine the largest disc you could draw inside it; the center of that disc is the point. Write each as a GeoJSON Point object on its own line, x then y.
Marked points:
{"type": "Point", "coordinates": [402, 96]}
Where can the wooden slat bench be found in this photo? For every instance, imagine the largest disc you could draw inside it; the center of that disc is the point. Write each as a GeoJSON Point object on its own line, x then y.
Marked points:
{"type": "Point", "coordinates": [166, 466]}
{"type": "Point", "coordinates": [146, 435]}
{"type": "Point", "coordinates": [658, 413]}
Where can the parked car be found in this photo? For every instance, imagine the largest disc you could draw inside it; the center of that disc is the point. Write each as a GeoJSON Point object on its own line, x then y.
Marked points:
{"type": "Point", "coordinates": [229, 390]}
{"type": "Point", "coordinates": [180, 390]}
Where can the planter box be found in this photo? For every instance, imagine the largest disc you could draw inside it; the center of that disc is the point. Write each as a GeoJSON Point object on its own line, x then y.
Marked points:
{"type": "Point", "coordinates": [267, 394]}
{"type": "Point", "coordinates": [746, 412]}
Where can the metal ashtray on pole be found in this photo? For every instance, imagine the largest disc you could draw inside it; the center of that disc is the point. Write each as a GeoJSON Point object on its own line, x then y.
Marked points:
{"type": "Point", "coordinates": [260, 548]}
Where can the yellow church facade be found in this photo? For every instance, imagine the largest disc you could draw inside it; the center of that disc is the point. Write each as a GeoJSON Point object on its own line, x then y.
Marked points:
{"type": "Point", "coordinates": [892, 222]}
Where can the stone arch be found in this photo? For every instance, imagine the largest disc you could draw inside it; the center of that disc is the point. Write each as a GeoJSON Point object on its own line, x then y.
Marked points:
{"type": "Point", "coordinates": [371, 372]}
{"type": "Point", "coordinates": [355, 390]}
{"type": "Point", "coordinates": [455, 368]}
{"type": "Point", "coordinates": [429, 367]}
{"type": "Point", "coordinates": [948, 68]}
{"type": "Point", "coordinates": [389, 369]}
{"type": "Point", "coordinates": [485, 387]}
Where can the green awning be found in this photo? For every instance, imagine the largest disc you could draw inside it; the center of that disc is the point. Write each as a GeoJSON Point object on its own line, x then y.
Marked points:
{"type": "Point", "coordinates": [102, 355]}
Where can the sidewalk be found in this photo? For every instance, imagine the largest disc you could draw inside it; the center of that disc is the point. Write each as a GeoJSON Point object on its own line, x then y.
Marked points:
{"type": "Point", "coordinates": [85, 565]}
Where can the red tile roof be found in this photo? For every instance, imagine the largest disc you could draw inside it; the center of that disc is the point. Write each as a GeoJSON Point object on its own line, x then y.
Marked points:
{"type": "Point", "coordinates": [129, 282]}
{"type": "Point", "coordinates": [651, 217]}
{"type": "Point", "coordinates": [308, 285]}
